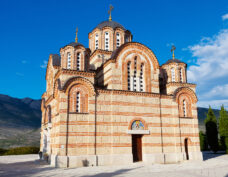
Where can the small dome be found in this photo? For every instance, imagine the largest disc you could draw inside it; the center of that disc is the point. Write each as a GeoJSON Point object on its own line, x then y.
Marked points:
{"type": "Point", "coordinates": [111, 24]}
{"type": "Point", "coordinates": [73, 44]}
{"type": "Point", "coordinates": [173, 61]}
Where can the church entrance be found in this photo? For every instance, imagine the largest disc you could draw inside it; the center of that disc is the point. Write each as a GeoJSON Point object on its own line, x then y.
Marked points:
{"type": "Point", "coordinates": [137, 148]}
{"type": "Point", "coordinates": [186, 148]}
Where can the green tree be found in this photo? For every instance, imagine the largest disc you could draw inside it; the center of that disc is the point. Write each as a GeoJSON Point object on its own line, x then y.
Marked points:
{"type": "Point", "coordinates": [223, 127]}
{"type": "Point", "coordinates": [203, 141]}
{"type": "Point", "coordinates": [212, 131]}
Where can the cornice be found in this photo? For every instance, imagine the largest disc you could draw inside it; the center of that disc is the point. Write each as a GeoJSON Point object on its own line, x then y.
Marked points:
{"type": "Point", "coordinates": [74, 72]}
{"type": "Point", "coordinates": [126, 92]}
{"type": "Point", "coordinates": [180, 84]}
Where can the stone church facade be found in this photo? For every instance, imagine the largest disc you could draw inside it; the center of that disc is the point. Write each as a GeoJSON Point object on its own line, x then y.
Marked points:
{"type": "Point", "coordinates": [112, 103]}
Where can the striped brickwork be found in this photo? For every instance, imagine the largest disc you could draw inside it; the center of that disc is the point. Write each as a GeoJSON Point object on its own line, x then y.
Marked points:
{"type": "Point", "coordinates": [97, 125]}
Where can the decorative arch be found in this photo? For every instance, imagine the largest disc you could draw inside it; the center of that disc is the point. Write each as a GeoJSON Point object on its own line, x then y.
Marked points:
{"type": "Point", "coordinates": [138, 119]}
{"type": "Point", "coordinates": [131, 47]}
{"type": "Point", "coordinates": [78, 98]}
{"type": "Point", "coordinates": [185, 97]}
{"type": "Point", "coordinates": [57, 85]}
{"type": "Point", "coordinates": [187, 91]}
{"type": "Point", "coordinates": [146, 72]}
{"type": "Point", "coordinates": [79, 80]}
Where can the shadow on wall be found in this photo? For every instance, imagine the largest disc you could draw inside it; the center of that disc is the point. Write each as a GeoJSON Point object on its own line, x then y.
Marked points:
{"type": "Point", "coordinates": [210, 155]}
{"type": "Point", "coordinates": [111, 174]}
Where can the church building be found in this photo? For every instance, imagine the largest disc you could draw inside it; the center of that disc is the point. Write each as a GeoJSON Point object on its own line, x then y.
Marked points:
{"type": "Point", "coordinates": [114, 104]}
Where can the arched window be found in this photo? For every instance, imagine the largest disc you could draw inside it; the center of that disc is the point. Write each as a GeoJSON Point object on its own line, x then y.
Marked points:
{"type": "Point", "coordinates": [78, 102]}
{"type": "Point", "coordinates": [141, 78]}
{"type": "Point", "coordinates": [184, 109]}
{"type": "Point", "coordinates": [181, 75]}
{"type": "Point", "coordinates": [106, 41]}
{"type": "Point", "coordinates": [129, 76]}
{"type": "Point", "coordinates": [117, 40]}
{"type": "Point", "coordinates": [78, 99]}
{"type": "Point", "coordinates": [68, 60]}
{"type": "Point", "coordinates": [173, 74]}
{"type": "Point", "coordinates": [96, 41]}
{"type": "Point", "coordinates": [134, 77]}
{"type": "Point", "coordinates": [78, 61]}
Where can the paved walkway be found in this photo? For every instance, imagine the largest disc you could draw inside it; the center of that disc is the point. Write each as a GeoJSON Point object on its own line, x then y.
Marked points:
{"type": "Point", "coordinates": [29, 165]}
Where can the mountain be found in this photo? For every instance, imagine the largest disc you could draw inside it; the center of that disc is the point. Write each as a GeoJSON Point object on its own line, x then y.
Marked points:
{"type": "Point", "coordinates": [19, 122]}
{"type": "Point", "coordinates": [202, 114]}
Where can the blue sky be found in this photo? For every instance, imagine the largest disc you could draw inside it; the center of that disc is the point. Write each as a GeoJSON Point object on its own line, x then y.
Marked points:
{"type": "Point", "coordinates": [31, 30]}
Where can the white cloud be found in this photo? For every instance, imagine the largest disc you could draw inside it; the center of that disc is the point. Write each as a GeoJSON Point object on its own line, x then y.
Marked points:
{"type": "Point", "coordinates": [225, 17]}
{"type": "Point", "coordinates": [212, 58]}
{"type": "Point", "coordinates": [210, 71]}
{"type": "Point", "coordinates": [44, 65]}
{"type": "Point", "coordinates": [216, 104]}
{"type": "Point", "coordinates": [218, 91]}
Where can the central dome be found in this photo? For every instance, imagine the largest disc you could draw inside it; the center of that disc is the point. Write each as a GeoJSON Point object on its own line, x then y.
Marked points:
{"type": "Point", "coordinates": [111, 24]}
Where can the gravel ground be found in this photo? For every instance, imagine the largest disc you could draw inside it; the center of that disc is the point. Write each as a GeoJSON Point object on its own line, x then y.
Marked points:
{"type": "Point", "coordinates": [29, 165]}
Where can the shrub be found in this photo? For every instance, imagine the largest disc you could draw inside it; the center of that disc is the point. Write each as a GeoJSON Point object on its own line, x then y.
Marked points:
{"type": "Point", "coordinates": [22, 150]}
{"type": "Point", "coordinates": [2, 151]}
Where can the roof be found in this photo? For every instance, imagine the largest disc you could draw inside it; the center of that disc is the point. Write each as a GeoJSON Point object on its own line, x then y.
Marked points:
{"type": "Point", "coordinates": [173, 61]}
{"type": "Point", "coordinates": [55, 60]}
{"type": "Point", "coordinates": [74, 44]}
{"type": "Point", "coordinates": [111, 24]}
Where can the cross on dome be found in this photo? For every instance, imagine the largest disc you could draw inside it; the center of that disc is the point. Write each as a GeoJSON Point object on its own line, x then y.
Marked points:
{"type": "Point", "coordinates": [172, 50]}
{"type": "Point", "coordinates": [110, 11]}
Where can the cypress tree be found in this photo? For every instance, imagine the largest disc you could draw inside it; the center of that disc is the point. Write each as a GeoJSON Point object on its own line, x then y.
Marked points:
{"type": "Point", "coordinates": [203, 141]}
{"type": "Point", "coordinates": [212, 131]}
{"type": "Point", "coordinates": [223, 127]}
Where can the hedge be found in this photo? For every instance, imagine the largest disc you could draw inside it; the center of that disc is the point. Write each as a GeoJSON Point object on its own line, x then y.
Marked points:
{"type": "Point", "coordinates": [20, 151]}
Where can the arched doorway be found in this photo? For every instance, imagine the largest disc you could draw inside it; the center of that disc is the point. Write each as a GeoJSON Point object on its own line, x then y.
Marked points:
{"type": "Point", "coordinates": [137, 148]}
{"type": "Point", "coordinates": [137, 126]}
{"type": "Point", "coordinates": [186, 148]}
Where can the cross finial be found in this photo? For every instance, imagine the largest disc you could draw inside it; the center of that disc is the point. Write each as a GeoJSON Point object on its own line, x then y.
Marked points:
{"type": "Point", "coordinates": [76, 38]}
{"type": "Point", "coordinates": [172, 50]}
{"type": "Point", "coordinates": [110, 11]}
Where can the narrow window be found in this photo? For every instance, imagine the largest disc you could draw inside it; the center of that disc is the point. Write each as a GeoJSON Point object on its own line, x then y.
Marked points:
{"type": "Point", "coordinates": [78, 102]}
{"type": "Point", "coordinates": [129, 76]}
{"type": "Point", "coordinates": [49, 114]}
{"type": "Point", "coordinates": [117, 40]}
{"type": "Point", "coordinates": [134, 78]}
{"type": "Point", "coordinates": [141, 78]}
{"type": "Point", "coordinates": [78, 60]}
{"type": "Point", "coordinates": [173, 74]}
{"type": "Point", "coordinates": [184, 108]}
{"type": "Point", "coordinates": [181, 75]}
{"type": "Point", "coordinates": [68, 60]}
{"type": "Point", "coordinates": [106, 41]}
{"type": "Point", "coordinates": [96, 41]}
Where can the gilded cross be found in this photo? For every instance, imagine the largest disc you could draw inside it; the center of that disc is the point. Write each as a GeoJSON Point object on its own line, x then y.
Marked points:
{"type": "Point", "coordinates": [76, 38]}
{"type": "Point", "coordinates": [110, 11]}
{"type": "Point", "coordinates": [172, 50]}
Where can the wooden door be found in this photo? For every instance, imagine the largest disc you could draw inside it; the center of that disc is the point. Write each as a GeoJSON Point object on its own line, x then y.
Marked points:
{"type": "Point", "coordinates": [137, 148]}
{"type": "Point", "coordinates": [186, 148]}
